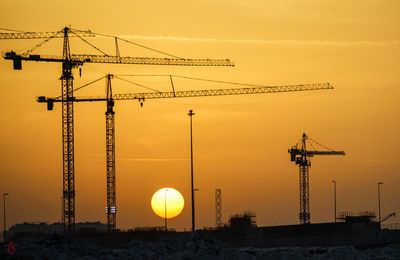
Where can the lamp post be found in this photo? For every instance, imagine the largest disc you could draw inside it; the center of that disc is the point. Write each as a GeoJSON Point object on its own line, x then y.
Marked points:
{"type": "Point", "coordinates": [379, 200]}
{"type": "Point", "coordinates": [191, 169]}
{"type": "Point", "coordinates": [5, 222]}
{"type": "Point", "coordinates": [165, 210]}
{"type": "Point", "coordinates": [334, 199]}
{"type": "Point", "coordinates": [62, 210]}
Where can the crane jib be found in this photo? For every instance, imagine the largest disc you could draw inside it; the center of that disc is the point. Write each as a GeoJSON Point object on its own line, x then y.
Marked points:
{"type": "Point", "coordinates": [194, 93]}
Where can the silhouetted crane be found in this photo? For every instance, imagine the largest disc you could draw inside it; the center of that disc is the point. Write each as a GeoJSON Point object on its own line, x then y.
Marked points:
{"type": "Point", "coordinates": [141, 97]}
{"type": "Point", "coordinates": [70, 61]}
{"type": "Point", "coordinates": [300, 155]}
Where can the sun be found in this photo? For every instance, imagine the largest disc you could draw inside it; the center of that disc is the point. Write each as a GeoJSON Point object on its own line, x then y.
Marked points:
{"type": "Point", "coordinates": [167, 202]}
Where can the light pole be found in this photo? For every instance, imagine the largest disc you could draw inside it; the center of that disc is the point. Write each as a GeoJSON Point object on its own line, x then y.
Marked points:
{"type": "Point", "coordinates": [165, 210]}
{"type": "Point", "coordinates": [62, 210]}
{"type": "Point", "coordinates": [5, 222]}
{"type": "Point", "coordinates": [379, 200]}
{"type": "Point", "coordinates": [191, 169]}
{"type": "Point", "coordinates": [334, 198]}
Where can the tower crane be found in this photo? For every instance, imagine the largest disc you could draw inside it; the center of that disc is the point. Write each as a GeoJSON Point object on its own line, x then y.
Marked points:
{"type": "Point", "coordinates": [300, 156]}
{"type": "Point", "coordinates": [141, 97]}
{"type": "Point", "coordinates": [69, 62]}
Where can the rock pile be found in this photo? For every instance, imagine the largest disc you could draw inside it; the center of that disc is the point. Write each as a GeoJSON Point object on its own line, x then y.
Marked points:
{"type": "Point", "coordinates": [188, 246]}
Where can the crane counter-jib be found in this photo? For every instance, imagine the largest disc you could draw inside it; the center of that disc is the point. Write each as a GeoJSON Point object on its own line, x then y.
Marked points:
{"type": "Point", "coordinates": [44, 35]}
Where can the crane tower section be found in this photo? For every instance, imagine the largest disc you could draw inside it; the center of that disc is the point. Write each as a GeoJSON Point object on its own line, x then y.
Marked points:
{"type": "Point", "coordinates": [111, 207]}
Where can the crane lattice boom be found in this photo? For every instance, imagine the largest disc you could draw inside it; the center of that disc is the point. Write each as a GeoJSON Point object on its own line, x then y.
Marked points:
{"type": "Point", "coordinates": [196, 93]}
{"type": "Point", "coordinates": [80, 59]}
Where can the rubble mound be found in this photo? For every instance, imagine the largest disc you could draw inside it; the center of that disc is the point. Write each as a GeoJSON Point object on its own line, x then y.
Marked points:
{"type": "Point", "coordinates": [187, 246]}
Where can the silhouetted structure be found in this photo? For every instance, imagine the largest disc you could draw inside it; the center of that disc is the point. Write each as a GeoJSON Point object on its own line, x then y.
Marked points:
{"type": "Point", "coordinates": [191, 114]}
{"type": "Point", "coordinates": [141, 97]}
{"type": "Point", "coordinates": [300, 157]}
{"type": "Point", "coordinates": [69, 62]}
{"type": "Point", "coordinates": [218, 208]}
{"type": "Point", "coordinates": [39, 229]}
{"type": "Point", "coordinates": [362, 217]}
{"type": "Point", "coordinates": [243, 221]}
{"type": "Point", "coordinates": [111, 207]}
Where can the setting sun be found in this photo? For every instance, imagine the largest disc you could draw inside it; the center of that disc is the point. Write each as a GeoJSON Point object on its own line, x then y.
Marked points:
{"type": "Point", "coordinates": [167, 202]}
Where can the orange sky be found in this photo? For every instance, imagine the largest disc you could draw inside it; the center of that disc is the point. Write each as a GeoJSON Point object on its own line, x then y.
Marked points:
{"type": "Point", "coordinates": [240, 142]}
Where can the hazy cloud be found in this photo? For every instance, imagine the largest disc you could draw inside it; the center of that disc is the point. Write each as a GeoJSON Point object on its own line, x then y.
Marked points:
{"type": "Point", "coordinates": [259, 41]}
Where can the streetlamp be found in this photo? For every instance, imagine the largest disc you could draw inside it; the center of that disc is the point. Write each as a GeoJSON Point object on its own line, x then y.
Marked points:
{"type": "Point", "coordinates": [4, 210]}
{"type": "Point", "coordinates": [334, 198]}
{"type": "Point", "coordinates": [191, 169]}
{"type": "Point", "coordinates": [165, 210]}
{"type": "Point", "coordinates": [379, 200]}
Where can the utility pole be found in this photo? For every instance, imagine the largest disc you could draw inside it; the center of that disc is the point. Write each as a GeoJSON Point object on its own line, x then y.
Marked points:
{"type": "Point", "coordinates": [5, 215]}
{"type": "Point", "coordinates": [379, 201]}
{"type": "Point", "coordinates": [62, 211]}
{"type": "Point", "coordinates": [334, 199]}
{"type": "Point", "coordinates": [191, 169]}
{"type": "Point", "coordinates": [165, 210]}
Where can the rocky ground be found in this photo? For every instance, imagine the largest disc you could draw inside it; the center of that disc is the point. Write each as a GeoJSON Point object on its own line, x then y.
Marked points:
{"type": "Point", "coordinates": [189, 246]}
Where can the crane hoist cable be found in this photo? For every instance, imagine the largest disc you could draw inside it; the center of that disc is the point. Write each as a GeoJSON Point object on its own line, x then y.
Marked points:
{"type": "Point", "coordinates": [89, 43]}
{"type": "Point", "coordinates": [12, 30]}
{"type": "Point", "coordinates": [38, 45]}
{"type": "Point", "coordinates": [318, 144]}
{"type": "Point", "coordinates": [139, 45]}
{"type": "Point", "coordinates": [137, 84]}
{"type": "Point", "coordinates": [85, 85]}
{"type": "Point", "coordinates": [200, 79]}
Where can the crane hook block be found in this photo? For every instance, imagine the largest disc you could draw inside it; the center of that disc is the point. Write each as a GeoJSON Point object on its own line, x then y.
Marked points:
{"type": "Point", "coordinates": [17, 63]}
{"type": "Point", "coordinates": [50, 104]}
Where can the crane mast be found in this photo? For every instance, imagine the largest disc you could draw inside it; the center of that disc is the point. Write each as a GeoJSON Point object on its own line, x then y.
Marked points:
{"type": "Point", "coordinates": [300, 157]}
{"type": "Point", "coordinates": [111, 207]}
{"type": "Point", "coordinates": [69, 62]}
{"type": "Point", "coordinates": [67, 91]}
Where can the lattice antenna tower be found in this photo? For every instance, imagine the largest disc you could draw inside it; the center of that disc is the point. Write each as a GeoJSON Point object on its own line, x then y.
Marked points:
{"type": "Point", "coordinates": [218, 208]}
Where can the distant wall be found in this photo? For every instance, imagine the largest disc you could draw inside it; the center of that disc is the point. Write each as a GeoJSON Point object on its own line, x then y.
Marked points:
{"type": "Point", "coordinates": [325, 234]}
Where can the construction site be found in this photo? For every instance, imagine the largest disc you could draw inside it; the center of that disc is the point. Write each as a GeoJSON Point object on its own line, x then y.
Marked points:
{"type": "Point", "coordinates": [245, 174]}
